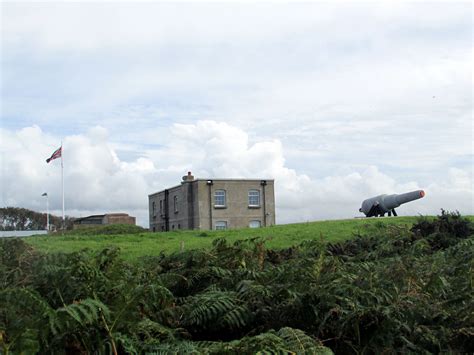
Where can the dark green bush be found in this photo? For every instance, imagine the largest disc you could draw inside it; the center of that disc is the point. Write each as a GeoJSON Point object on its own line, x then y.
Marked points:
{"type": "Point", "coordinates": [451, 223]}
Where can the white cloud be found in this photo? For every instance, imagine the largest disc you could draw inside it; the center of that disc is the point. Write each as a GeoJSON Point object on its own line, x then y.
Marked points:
{"type": "Point", "coordinates": [342, 100]}
{"type": "Point", "coordinates": [331, 81]}
{"type": "Point", "coordinates": [97, 181]}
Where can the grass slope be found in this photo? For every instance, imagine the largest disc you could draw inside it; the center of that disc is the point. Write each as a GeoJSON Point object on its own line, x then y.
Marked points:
{"type": "Point", "coordinates": [140, 243]}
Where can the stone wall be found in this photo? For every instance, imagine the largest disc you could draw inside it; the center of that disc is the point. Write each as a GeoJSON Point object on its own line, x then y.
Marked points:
{"type": "Point", "coordinates": [236, 213]}
{"type": "Point", "coordinates": [196, 208]}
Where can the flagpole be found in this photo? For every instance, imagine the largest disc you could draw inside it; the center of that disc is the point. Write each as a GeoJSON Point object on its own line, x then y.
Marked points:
{"type": "Point", "coordinates": [62, 179]}
{"type": "Point", "coordinates": [56, 154]}
{"type": "Point", "coordinates": [47, 213]}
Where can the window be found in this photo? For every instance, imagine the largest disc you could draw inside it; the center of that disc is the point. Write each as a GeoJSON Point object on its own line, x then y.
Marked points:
{"type": "Point", "coordinates": [175, 204]}
{"type": "Point", "coordinates": [219, 198]}
{"type": "Point", "coordinates": [161, 207]}
{"type": "Point", "coordinates": [255, 224]}
{"type": "Point", "coordinates": [221, 225]}
{"type": "Point", "coordinates": [254, 198]}
{"type": "Point", "coordinates": [153, 208]}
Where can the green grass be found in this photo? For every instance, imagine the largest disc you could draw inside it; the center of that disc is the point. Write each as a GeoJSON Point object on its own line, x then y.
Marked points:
{"type": "Point", "coordinates": [135, 245]}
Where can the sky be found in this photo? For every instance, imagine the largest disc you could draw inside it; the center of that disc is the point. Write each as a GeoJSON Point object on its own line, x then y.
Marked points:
{"type": "Point", "coordinates": [337, 102]}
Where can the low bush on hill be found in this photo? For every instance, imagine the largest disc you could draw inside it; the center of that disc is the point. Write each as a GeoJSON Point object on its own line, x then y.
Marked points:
{"type": "Point", "coordinates": [396, 291]}
{"type": "Point", "coordinates": [112, 229]}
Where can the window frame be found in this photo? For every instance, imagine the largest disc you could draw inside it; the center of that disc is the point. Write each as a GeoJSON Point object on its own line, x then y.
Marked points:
{"type": "Point", "coordinates": [224, 225]}
{"type": "Point", "coordinates": [175, 204]}
{"type": "Point", "coordinates": [255, 220]}
{"type": "Point", "coordinates": [252, 205]}
{"type": "Point", "coordinates": [216, 205]}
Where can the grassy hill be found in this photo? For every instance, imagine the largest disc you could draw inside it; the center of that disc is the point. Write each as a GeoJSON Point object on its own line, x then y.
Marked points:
{"type": "Point", "coordinates": [136, 242]}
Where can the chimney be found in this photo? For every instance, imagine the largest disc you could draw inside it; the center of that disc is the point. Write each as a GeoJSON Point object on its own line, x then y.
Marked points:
{"type": "Point", "coordinates": [188, 177]}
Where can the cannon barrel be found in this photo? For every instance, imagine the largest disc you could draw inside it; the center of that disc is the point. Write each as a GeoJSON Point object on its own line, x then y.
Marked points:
{"type": "Point", "coordinates": [379, 205]}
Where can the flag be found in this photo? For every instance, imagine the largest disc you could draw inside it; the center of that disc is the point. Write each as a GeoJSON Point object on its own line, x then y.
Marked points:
{"type": "Point", "coordinates": [45, 194]}
{"type": "Point", "coordinates": [55, 155]}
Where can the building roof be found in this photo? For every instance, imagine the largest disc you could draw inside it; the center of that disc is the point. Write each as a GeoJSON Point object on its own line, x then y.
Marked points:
{"type": "Point", "coordinates": [211, 179]}
{"type": "Point", "coordinates": [89, 217]}
{"type": "Point", "coordinates": [94, 216]}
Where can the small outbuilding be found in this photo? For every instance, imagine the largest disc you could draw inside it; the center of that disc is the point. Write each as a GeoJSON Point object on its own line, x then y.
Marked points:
{"type": "Point", "coordinates": [104, 219]}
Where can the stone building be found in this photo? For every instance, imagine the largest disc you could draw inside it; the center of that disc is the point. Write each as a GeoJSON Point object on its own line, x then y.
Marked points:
{"type": "Point", "coordinates": [207, 204]}
{"type": "Point", "coordinates": [103, 219]}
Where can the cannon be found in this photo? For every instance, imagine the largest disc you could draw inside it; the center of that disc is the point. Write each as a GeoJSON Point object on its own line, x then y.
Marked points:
{"type": "Point", "coordinates": [379, 205]}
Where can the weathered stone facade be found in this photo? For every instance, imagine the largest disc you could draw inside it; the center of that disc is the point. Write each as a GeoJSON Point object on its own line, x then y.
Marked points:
{"type": "Point", "coordinates": [207, 204]}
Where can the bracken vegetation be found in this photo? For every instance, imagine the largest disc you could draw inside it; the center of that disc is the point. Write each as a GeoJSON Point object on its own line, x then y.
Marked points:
{"type": "Point", "coordinates": [397, 290]}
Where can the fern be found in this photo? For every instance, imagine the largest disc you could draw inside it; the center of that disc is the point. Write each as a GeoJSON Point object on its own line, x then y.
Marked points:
{"type": "Point", "coordinates": [84, 312]}
{"type": "Point", "coordinates": [182, 347]}
{"type": "Point", "coordinates": [253, 292]}
{"type": "Point", "coordinates": [148, 331]}
{"type": "Point", "coordinates": [298, 341]}
{"type": "Point", "coordinates": [214, 309]}
{"type": "Point", "coordinates": [126, 344]}
{"type": "Point", "coordinates": [22, 315]}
